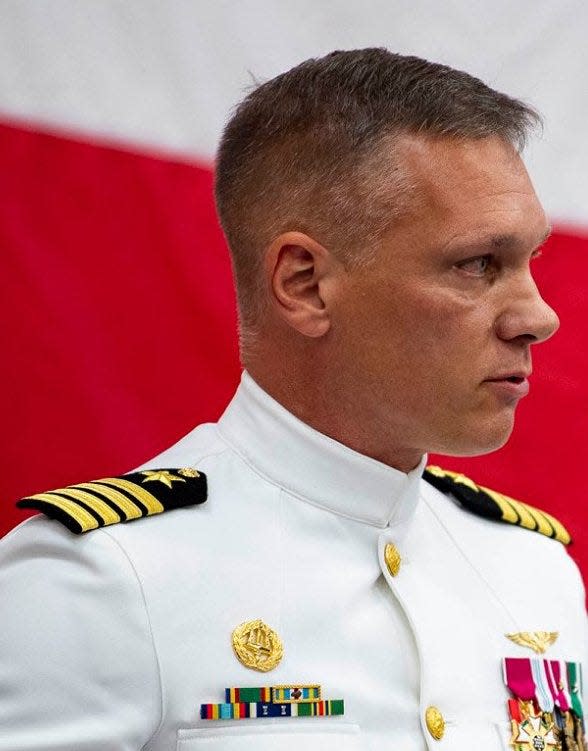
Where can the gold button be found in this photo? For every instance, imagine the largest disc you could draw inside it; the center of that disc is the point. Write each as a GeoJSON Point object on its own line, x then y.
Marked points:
{"type": "Point", "coordinates": [392, 558]}
{"type": "Point", "coordinates": [435, 723]}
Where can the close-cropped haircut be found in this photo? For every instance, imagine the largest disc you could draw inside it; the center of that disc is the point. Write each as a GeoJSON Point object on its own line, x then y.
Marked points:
{"type": "Point", "coordinates": [303, 152]}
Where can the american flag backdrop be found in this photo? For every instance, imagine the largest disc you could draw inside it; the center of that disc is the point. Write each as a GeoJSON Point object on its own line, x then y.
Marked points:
{"type": "Point", "coordinates": [119, 324]}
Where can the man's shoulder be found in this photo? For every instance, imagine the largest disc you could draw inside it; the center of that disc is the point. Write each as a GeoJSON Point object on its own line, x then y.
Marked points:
{"type": "Point", "coordinates": [87, 506]}
{"type": "Point", "coordinates": [201, 442]}
{"type": "Point", "coordinates": [494, 505]}
{"type": "Point", "coordinates": [172, 480]}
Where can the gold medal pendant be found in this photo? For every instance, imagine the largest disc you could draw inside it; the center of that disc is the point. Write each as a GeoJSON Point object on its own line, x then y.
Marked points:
{"type": "Point", "coordinates": [535, 733]}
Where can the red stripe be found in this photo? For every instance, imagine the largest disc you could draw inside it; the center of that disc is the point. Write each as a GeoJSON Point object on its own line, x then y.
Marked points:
{"type": "Point", "coordinates": [514, 710]}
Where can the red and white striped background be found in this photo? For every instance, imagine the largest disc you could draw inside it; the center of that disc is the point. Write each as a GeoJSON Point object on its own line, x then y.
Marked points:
{"type": "Point", "coordinates": [119, 316]}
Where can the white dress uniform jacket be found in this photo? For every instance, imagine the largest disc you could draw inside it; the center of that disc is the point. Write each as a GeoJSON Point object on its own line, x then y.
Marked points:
{"type": "Point", "coordinates": [111, 640]}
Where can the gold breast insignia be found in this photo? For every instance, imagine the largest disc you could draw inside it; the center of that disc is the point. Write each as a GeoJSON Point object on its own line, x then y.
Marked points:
{"type": "Point", "coordinates": [257, 646]}
{"type": "Point", "coordinates": [538, 641]}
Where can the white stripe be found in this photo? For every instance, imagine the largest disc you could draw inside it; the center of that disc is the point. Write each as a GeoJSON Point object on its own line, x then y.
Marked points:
{"type": "Point", "coordinates": [504, 676]}
{"type": "Point", "coordinates": [542, 693]}
{"type": "Point", "coordinates": [168, 77]}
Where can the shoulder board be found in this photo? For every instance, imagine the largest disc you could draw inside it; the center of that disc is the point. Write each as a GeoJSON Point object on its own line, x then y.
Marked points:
{"type": "Point", "coordinates": [90, 505]}
{"type": "Point", "coordinates": [493, 505]}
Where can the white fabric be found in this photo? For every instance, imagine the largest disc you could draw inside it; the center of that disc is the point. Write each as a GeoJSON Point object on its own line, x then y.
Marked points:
{"type": "Point", "coordinates": [166, 75]}
{"type": "Point", "coordinates": [113, 639]}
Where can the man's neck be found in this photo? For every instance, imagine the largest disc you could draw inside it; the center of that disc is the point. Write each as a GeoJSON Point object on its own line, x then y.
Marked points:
{"type": "Point", "coordinates": [311, 400]}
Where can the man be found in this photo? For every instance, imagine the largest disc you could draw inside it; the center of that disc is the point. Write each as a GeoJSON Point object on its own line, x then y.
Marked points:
{"type": "Point", "coordinates": [382, 227]}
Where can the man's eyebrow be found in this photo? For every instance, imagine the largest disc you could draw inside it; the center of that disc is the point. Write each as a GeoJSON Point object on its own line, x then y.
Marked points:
{"type": "Point", "coordinates": [502, 240]}
{"type": "Point", "coordinates": [509, 240]}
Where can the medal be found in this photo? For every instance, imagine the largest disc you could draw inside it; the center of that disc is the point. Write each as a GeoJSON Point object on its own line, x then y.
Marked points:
{"type": "Point", "coordinates": [532, 730]}
{"type": "Point", "coordinates": [545, 708]}
{"type": "Point", "coordinates": [535, 733]}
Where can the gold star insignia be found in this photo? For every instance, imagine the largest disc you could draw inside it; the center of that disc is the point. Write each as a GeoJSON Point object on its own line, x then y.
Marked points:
{"type": "Point", "coordinates": [161, 475]}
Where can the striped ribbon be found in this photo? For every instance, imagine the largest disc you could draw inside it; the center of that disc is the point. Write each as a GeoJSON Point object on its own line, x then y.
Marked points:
{"type": "Point", "coordinates": [543, 693]}
{"type": "Point", "coordinates": [250, 710]}
{"type": "Point", "coordinates": [574, 670]}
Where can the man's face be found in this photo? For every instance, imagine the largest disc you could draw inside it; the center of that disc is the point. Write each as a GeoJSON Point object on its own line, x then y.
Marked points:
{"type": "Point", "coordinates": [431, 330]}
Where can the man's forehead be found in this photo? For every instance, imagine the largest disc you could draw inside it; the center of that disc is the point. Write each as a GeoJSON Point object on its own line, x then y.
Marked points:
{"type": "Point", "coordinates": [447, 170]}
{"type": "Point", "coordinates": [449, 152]}
{"type": "Point", "coordinates": [477, 188]}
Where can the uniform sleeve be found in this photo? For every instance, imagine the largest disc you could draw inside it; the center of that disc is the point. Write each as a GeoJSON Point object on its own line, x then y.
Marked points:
{"type": "Point", "coordinates": [77, 663]}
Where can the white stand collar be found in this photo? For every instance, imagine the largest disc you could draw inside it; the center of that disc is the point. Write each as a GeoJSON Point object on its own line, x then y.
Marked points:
{"type": "Point", "coordinates": [309, 464]}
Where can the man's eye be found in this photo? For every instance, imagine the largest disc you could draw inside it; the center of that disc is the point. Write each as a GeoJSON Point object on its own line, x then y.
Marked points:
{"type": "Point", "coordinates": [476, 266]}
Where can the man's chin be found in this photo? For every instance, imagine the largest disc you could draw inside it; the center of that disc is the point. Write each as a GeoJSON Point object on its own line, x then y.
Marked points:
{"type": "Point", "coordinates": [487, 439]}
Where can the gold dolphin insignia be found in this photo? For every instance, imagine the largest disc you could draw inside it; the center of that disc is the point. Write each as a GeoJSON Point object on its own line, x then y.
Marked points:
{"type": "Point", "coordinates": [538, 641]}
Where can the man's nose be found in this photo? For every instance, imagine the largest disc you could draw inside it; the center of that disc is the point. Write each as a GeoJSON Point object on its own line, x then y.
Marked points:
{"type": "Point", "coordinates": [526, 315]}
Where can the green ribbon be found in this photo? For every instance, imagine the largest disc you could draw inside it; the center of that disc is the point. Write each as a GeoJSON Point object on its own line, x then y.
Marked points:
{"type": "Point", "coordinates": [574, 678]}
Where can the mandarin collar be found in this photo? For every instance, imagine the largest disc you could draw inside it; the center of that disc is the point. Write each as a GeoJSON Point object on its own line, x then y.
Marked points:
{"type": "Point", "coordinates": [314, 467]}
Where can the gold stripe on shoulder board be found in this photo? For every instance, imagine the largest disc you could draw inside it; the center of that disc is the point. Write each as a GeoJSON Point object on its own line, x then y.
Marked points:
{"type": "Point", "coordinates": [129, 509]}
{"type": "Point", "coordinates": [79, 514]}
{"type": "Point", "coordinates": [150, 502]}
{"type": "Point", "coordinates": [506, 505]}
{"type": "Point", "coordinates": [104, 511]}
{"type": "Point", "coordinates": [511, 510]}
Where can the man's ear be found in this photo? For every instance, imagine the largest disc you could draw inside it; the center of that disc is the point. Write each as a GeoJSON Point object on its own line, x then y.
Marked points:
{"type": "Point", "coordinates": [299, 270]}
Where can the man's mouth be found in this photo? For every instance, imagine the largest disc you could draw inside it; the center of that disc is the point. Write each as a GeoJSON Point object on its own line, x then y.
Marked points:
{"type": "Point", "coordinates": [514, 376]}
{"type": "Point", "coordinates": [510, 384]}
